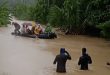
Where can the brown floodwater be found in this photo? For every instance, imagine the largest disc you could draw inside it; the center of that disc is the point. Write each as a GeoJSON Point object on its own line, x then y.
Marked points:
{"type": "Point", "coordinates": [28, 56]}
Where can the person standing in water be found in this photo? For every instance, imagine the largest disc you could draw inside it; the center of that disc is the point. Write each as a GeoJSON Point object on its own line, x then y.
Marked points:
{"type": "Point", "coordinates": [48, 29]}
{"type": "Point", "coordinates": [38, 30]}
{"type": "Point", "coordinates": [17, 27]}
{"type": "Point", "coordinates": [84, 60]}
{"type": "Point", "coordinates": [61, 60]}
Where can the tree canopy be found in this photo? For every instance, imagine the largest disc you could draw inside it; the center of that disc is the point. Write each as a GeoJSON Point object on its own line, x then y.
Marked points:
{"type": "Point", "coordinates": [4, 13]}
{"type": "Point", "coordinates": [75, 16]}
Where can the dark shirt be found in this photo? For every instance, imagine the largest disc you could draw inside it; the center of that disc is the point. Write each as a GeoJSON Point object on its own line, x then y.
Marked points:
{"type": "Point", "coordinates": [61, 62]}
{"type": "Point", "coordinates": [84, 60]}
{"type": "Point", "coordinates": [17, 26]}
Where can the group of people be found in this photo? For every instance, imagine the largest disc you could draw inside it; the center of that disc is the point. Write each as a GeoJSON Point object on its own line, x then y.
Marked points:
{"type": "Point", "coordinates": [61, 59]}
{"type": "Point", "coordinates": [30, 28]}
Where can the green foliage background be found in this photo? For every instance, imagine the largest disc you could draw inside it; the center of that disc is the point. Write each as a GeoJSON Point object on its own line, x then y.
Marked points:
{"type": "Point", "coordinates": [4, 14]}
{"type": "Point", "coordinates": [88, 17]}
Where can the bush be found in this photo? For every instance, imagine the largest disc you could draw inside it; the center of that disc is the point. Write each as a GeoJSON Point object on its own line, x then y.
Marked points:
{"type": "Point", "coordinates": [55, 16]}
{"type": "Point", "coordinates": [4, 14]}
{"type": "Point", "coordinates": [105, 29]}
{"type": "Point", "coordinates": [22, 11]}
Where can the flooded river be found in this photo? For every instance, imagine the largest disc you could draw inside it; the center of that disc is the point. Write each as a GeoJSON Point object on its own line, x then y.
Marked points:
{"type": "Point", "coordinates": [28, 56]}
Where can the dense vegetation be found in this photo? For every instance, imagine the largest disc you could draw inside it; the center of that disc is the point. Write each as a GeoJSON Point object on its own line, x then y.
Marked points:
{"type": "Point", "coordinates": [88, 17]}
{"type": "Point", "coordinates": [20, 8]}
{"type": "Point", "coordinates": [21, 11]}
{"type": "Point", "coordinates": [4, 14]}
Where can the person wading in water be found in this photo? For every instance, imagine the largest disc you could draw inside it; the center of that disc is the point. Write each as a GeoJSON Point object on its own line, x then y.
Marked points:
{"type": "Point", "coordinates": [17, 27]}
{"type": "Point", "coordinates": [61, 60]}
{"type": "Point", "coordinates": [84, 60]}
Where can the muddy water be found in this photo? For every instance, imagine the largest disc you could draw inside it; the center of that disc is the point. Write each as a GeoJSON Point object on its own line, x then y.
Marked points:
{"type": "Point", "coordinates": [28, 56]}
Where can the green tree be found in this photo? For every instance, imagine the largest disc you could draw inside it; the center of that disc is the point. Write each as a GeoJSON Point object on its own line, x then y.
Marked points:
{"type": "Point", "coordinates": [4, 14]}
{"type": "Point", "coordinates": [79, 16]}
{"type": "Point", "coordinates": [40, 11]}
{"type": "Point", "coordinates": [22, 11]}
{"type": "Point", "coordinates": [96, 13]}
{"type": "Point", "coordinates": [71, 14]}
{"type": "Point", "coordinates": [55, 16]}
{"type": "Point", "coordinates": [105, 29]}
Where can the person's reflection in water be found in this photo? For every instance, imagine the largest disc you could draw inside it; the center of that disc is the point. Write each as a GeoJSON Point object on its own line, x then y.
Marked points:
{"type": "Point", "coordinates": [61, 60]}
{"type": "Point", "coordinates": [84, 60]}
